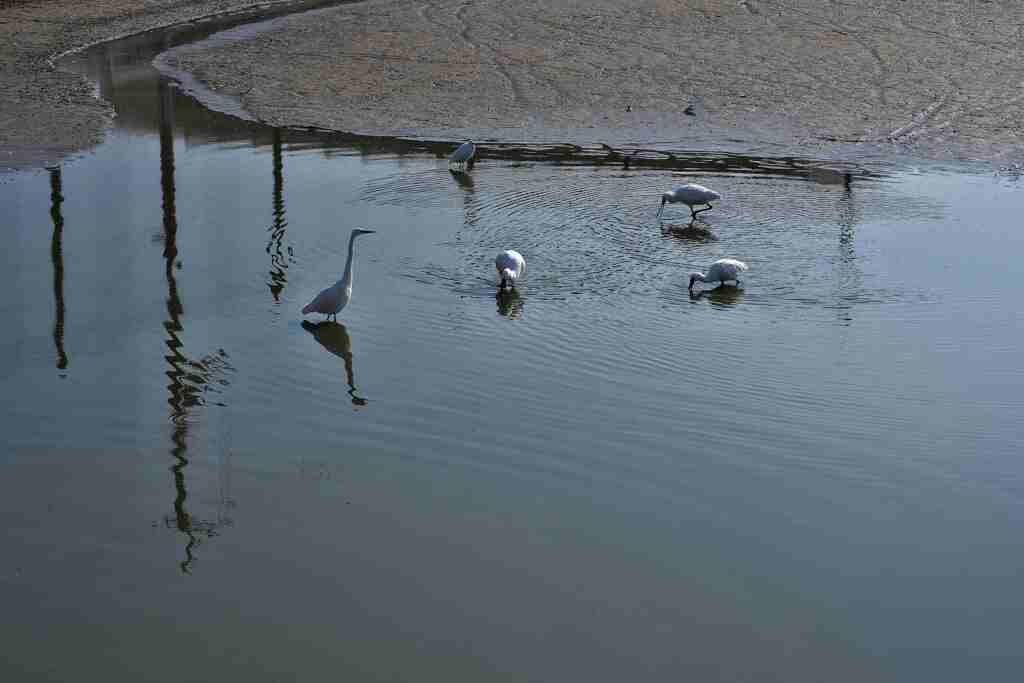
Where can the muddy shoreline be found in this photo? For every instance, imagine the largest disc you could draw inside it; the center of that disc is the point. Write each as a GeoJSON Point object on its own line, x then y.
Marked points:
{"type": "Point", "coordinates": [882, 80]}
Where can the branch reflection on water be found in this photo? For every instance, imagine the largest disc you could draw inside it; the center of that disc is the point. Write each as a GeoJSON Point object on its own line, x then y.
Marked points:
{"type": "Point", "coordinates": [334, 337]}
{"type": "Point", "coordinates": [57, 256]}
{"type": "Point", "coordinates": [188, 380]}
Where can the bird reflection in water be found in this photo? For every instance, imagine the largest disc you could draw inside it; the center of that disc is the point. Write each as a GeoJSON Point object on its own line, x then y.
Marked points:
{"type": "Point", "coordinates": [464, 179]}
{"type": "Point", "coordinates": [469, 202]}
{"type": "Point", "coordinates": [57, 256]}
{"type": "Point", "coordinates": [333, 336]}
{"type": "Point", "coordinates": [189, 381]}
{"type": "Point", "coordinates": [721, 296]}
{"type": "Point", "coordinates": [697, 231]}
{"type": "Point", "coordinates": [510, 303]}
{"type": "Point", "coordinates": [280, 254]}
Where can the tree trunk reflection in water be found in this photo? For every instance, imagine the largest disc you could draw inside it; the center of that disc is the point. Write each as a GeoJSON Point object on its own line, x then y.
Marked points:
{"type": "Point", "coordinates": [189, 380]}
{"type": "Point", "coordinates": [57, 256]}
{"type": "Point", "coordinates": [280, 256]}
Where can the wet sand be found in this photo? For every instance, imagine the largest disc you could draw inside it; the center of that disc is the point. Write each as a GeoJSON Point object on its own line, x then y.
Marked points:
{"type": "Point", "coordinates": [939, 80]}
{"type": "Point", "coordinates": [832, 79]}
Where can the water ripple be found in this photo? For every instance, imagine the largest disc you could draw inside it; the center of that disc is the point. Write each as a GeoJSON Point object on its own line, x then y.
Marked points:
{"type": "Point", "coordinates": [593, 232]}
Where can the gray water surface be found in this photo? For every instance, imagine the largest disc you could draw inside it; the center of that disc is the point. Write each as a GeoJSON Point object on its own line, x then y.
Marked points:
{"type": "Point", "coordinates": [814, 476]}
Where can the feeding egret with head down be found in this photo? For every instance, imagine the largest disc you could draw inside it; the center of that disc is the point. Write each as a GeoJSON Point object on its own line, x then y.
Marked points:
{"type": "Point", "coordinates": [462, 154]}
{"type": "Point", "coordinates": [510, 265]}
{"type": "Point", "coordinates": [721, 271]}
{"type": "Point", "coordinates": [692, 195]}
{"type": "Point", "coordinates": [331, 300]}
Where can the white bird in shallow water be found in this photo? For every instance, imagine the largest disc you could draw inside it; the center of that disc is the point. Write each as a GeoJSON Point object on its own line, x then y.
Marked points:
{"type": "Point", "coordinates": [720, 271]}
{"type": "Point", "coordinates": [692, 195]}
{"type": "Point", "coordinates": [337, 296]}
{"type": "Point", "coordinates": [510, 265]}
{"type": "Point", "coordinates": [463, 153]}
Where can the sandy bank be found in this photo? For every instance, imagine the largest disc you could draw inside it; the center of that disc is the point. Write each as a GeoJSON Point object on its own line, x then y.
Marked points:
{"type": "Point", "coordinates": [828, 79]}
{"type": "Point", "coordinates": [937, 79]}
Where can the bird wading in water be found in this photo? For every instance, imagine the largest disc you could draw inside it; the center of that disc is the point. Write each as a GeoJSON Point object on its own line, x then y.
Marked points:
{"type": "Point", "coordinates": [331, 300]}
{"type": "Point", "coordinates": [720, 271]}
{"type": "Point", "coordinates": [463, 154]}
{"type": "Point", "coordinates": [692, 195]}
{"type": "Point", "coordinates": [510, 266]}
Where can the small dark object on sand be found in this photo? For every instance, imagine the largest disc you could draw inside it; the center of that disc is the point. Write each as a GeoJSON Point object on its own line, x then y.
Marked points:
{"type": "Point", "coordinates": [689, 110]}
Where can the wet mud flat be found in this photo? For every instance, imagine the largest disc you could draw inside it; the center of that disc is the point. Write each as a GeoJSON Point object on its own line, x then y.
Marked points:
{"type": "Point", "coordinates": [829, 80]}
{"type": "Point", "coordinates": [824, 79]}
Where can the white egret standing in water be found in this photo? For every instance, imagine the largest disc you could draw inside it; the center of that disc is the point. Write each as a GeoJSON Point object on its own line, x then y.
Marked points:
{"type": "Point", "coordinates": [692, 195]}
{"type": "Point", "coordinates": [462, 154]}
{"type": "Point", "coordinates": [337, 296]}
{"type": "Point", "coordinates": [720, 271]}
{"type": "Point", "coordinates": [510, 266]}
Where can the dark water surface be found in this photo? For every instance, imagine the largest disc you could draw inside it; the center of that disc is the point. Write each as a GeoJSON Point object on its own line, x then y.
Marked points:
{"type": "Point", "coordinates": [814, 477]}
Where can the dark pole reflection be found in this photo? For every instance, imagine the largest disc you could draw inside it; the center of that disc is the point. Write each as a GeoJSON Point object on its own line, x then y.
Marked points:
{"type": "Point", "coordinates": [848, 271]}
{"type": "Point", "coordinates": [847, 220]}
{"type": "Point", "coordinates": [57, 256]}
{"type": "Point", "coordinates": [188, 379]}
{"type": "Point", "coordinates": [178, 394]}
{"type": "Point", "coordinates": [279, 257]}
{"type": "Point", "coordinates": [334, 337]}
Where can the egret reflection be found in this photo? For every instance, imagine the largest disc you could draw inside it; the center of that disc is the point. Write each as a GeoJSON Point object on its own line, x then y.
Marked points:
{"type": "Point", "coordinates": [510, 303]}
{"type": "Point", "coordinates": [695, 230]}
{"type": "Point", "coordinates": [464, 179]}
{"type": "Point", "coordinates": [469, 201]}
{"type": "Point", "coordinates": [334, 337]}
{"type": "Point", "coordinates": [57, 256]}
{"type": "Point", "coordinates": [722, 297]}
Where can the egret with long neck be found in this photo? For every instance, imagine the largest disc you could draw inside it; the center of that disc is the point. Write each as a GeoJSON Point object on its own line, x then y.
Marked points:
{"type": "Point", "coordinates": [331, 300]}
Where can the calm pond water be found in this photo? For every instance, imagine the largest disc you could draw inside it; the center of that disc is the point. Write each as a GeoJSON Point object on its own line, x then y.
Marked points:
{"type": "Point", "coordinates": [814, 477]}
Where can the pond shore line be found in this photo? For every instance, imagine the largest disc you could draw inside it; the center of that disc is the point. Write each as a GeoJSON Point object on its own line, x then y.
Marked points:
{"type": "Point", "coordinates": [885, 79]}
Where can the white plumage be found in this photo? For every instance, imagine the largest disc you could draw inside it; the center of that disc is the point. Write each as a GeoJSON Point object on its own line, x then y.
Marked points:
{"type": "Point", "coordinates": [720, 271]}
{"type": "Point", "coordinates": [510, 266]}
{"type": "Point", "coordinates": [331, 300]}
{"type": "Point", "coordinates": [463, 153]}
{"type": "Point", "coordinates": [692, 195]}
